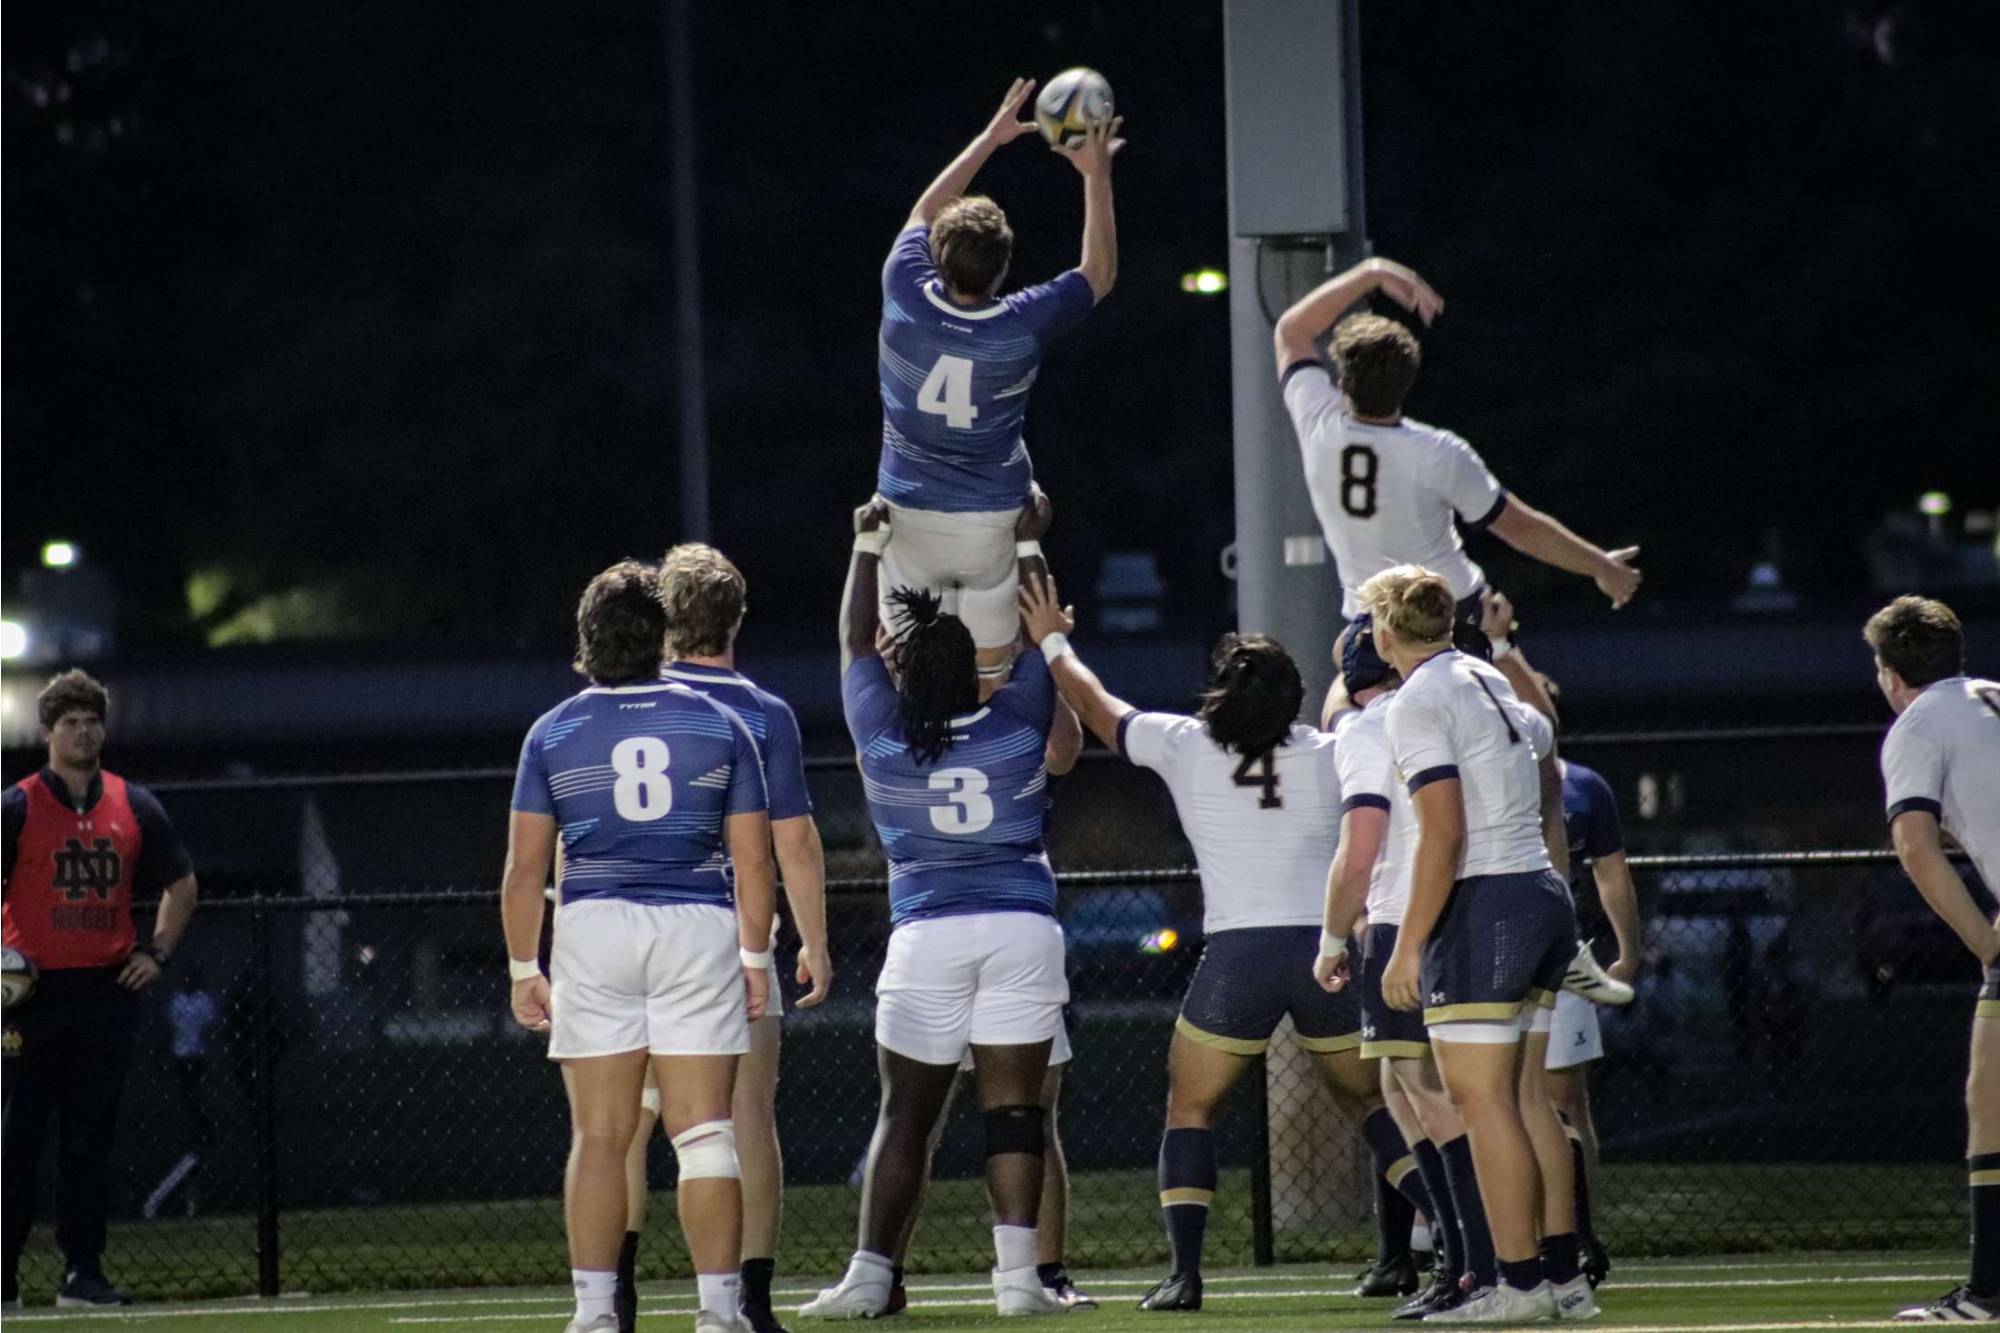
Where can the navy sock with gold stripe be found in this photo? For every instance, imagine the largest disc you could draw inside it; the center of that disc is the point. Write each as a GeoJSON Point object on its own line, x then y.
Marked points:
{"type": "Point", "coordinates": [1187, 1184]}
{"type": "Point", "coordinates": [1983, 1173]}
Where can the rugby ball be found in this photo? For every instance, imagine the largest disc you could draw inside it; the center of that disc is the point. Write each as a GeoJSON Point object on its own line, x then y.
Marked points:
{"type": "Point", "coordinates": [17, 977]}
{"type": "Point", "coordinates": [1070, 103]}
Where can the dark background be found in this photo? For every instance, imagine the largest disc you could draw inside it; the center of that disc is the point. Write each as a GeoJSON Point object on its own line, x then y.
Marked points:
{"type": "Point", "coordinates": [359, 316]}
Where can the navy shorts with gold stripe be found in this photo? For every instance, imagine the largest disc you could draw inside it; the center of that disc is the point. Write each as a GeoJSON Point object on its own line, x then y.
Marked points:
{"type": "Point", "coordinates": [1989, 994]}
{"type": "Point", "coordinates": [1249, 979]}
{"type": "Point", "coordinates": [1386, 1034]}
{"type": "Point", "coordinates": [1503, 941]}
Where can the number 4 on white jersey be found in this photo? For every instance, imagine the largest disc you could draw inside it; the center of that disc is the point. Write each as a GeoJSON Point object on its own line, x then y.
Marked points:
{"type": "Point", "coordinates": [947, 392]}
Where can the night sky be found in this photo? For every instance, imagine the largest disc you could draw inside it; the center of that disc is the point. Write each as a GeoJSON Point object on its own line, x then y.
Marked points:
{"type": "Point", "coordinates": [363, 312]}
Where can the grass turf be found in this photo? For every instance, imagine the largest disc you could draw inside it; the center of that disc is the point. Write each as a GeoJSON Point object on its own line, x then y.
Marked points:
{"type": "Point", "coordinates": [1749, 1294]}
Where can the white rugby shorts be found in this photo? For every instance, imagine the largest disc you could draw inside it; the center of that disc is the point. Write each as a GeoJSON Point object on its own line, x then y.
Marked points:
{"type": "Point", "coordinates": [967, 558]}
{"type": "Point", "coordinates": [628, 976]}
{"type": "Point", "coordinates": [985, 979]}
{"type": "Point", "coordinates": [1574, 1035]}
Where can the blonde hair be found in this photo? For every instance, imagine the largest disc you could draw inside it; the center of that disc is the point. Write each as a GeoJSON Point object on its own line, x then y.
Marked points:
{"type": "Point", "coordinates": [1414, 603]}
{"type": "Point", "coordinates": [703, 595]}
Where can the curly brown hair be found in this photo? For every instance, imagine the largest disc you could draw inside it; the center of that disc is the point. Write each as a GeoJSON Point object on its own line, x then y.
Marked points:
{"type": "Point", "coordinates": [703, 595]}
{"type": "Point", "coordinates": [1378, 360]}
{"type": "Point", "coordinates": [621, 629]}
{"type": "Point", "coordinates": [971, 244]}
{"type": "Point", "coordinates": [73, 691]}
{"type": "Point", "coordinates": [1918, 638]}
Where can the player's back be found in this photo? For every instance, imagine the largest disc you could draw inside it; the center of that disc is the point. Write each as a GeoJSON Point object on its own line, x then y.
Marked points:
{"type": "Point", "coordinates": [955, 382]}
{"type": "Point", "coordinates": [640, 779]}
{"type": "Point", "coordinates": [1368, 776]}
{"type": "Point", "coordinates": [1943, 755]}
{"type": "Point", "coordinates": [1457, 717]}
{"type": "Point", "coordinates": [770, 722]}
{"type": "Point", "coordinates": [1263, 827]}
{"type": "Point", "coordinates": [963, 832]}
{"type": "Point", "coordinates": [1387, 495]}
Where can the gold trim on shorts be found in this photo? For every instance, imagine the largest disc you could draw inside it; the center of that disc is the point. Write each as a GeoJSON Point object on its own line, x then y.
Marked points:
{"type": "Point", "coordinates": [1545, 998]}
{"type": "Point", "coordinates": [1987, 1009]}
{"type": "Point", "coordinates": [1985, 1177]}
{"type": "Point", "coordinates": [1230, 1045]}
{"type": "Point", "coordinates": [1395, 1050]}
{"type": "Point", "coordinates": [1168, 1198]}
{"type": "Point", "coordinates": [1331, 1045]}
{"type": "Point", "coordinates": [1491, 1011]}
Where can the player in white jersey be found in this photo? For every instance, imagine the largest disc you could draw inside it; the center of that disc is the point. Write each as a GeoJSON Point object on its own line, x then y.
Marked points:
{"type": "Point", "coordinates": [1487, 935]}
{"type": "Point", "coordinates": [1386, 488]}
{"type": "Point", "coordinates": [1259, 800]}
{"type": "Point", "coordinates": [1371, 878]}
{"type": "Point", "coordinates": [1941, 771]}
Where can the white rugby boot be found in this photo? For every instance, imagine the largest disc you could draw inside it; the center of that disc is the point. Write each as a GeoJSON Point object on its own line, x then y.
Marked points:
{"type": "Point", "coordinates": [1575, 1299]}
{"type": "Point", "coordinates": [1587, 977]}
{"type": "Point", "coordinates": [1501, 1304]}
{"type": "Point", "coordinates": [860, 1294]}
{"type": "Point", "coordinates": [1019, 1292]}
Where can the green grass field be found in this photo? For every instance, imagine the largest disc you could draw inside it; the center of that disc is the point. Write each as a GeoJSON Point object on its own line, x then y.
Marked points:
{"type": "Point", "coordinates": [1765, 1292]}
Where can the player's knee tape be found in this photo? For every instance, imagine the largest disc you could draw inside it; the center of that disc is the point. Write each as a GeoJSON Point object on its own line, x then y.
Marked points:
{"type": "Point", "coordinates": [708, 1151]}
{"type": "Point", "coordinates": [649, 1100]}
{"type": "Point", "coordinates": [1014, 1129]}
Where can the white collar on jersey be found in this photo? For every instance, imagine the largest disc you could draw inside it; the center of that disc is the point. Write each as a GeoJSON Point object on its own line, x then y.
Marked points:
{"type": "Point", "coordinates": [698, 673]}
{"type": "Point", "coordinates": [951, 307]}
{"type": "Point", "coordinates": [634, 689]}
{"type": "Point", "coordinates": [967, 719]}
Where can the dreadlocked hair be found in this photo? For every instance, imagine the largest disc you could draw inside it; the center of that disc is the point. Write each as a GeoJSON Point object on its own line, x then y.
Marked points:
{"type": "Point", "coordinates": [939, 669]}
{"type": "Point", "coordinates": [1253, 694]}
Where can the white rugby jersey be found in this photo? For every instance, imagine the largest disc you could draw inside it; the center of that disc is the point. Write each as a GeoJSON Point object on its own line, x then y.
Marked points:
{"type": "Point", "coordinates": [1943, 755]}
{"type": "Point", "coordinates": [1368, 778]}
{"type": "Point", "coordinates": [1263, 830]}
{"type": "Point", "coordinates": [1457, 717]}
{"type": "Point", "coordinates": [1385, 495]}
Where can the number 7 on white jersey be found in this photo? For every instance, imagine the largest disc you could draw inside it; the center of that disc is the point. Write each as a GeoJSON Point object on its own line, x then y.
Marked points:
{"type": "Point", "coordinates": [947, 392]}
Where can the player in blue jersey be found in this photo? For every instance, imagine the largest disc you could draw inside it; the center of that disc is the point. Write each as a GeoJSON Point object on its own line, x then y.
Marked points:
{"type": "Point", "coordinates": [956, 363]}
{"type": "Point", "coordinates": [704, 596]}
{"type": "Point", "coordinates": [654, 791]}
{"type": "Point", "coordinates": [956, 784]}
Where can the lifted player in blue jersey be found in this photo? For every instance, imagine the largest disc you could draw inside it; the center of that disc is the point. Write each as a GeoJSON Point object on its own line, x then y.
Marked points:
{"type": "Point", "coordinates": [956, 363]}
{"type": "Point", "coordinates": [661, 959]}
{"type": "Point", "coordinates": [957, 788]}
{"type": "Point", "coordinates": [704, 596]}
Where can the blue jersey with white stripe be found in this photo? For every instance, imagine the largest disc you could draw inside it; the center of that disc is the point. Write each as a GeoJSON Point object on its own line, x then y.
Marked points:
{"type": "Point", "coordinates": [639, 779]}
{"type": "Point", "coordinates": [955, 382]}
{"type": "Point", "coordinates": [771, 724]}
{"type": "Point", "coordinates": [962, 834]}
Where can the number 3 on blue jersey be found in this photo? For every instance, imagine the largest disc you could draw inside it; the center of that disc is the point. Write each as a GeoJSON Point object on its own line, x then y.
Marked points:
{"type": "Point", "coordinates": [642, 792]}
{"type": "Point", "coordinates": [970, 809]}
{"type": "Point", "coordinates": [947, 393]}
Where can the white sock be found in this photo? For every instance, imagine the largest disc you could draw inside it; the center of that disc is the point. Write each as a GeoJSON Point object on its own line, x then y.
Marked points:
{"type": "Point", "coordinates": [1013, 1247]}
{"type": "Point", "coordinates": [719, 1294]}
{"type": "Point", "coordinates": [596, 1293]}
{"type": "Point", "coordinates": [868, 1269]}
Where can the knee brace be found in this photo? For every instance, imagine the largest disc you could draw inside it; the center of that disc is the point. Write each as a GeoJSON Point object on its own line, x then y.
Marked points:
{"type": "Point", "coordinates": [708, 1151]}
{"type": "Point", "coordinates": [1014, 1129]}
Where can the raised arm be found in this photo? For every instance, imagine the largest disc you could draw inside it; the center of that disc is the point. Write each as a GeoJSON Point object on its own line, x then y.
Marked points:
{"type": "Point", "coordinates": [1497, 624]}
{"type": "Point", "coordinates": [1092, 157]}
{"type": "Point", "coordinates": [953, 180]}
{"type": "Point", "coordinates": [1096, 707]}
{"type": "Point", "coordinates": [1535, 534]}
{"type": "Point", "coordinates": [860, 611]}
{"type": "Point", "coordinates": [1299, 329]}
{"type": "Point", "coordinates": [1920, 847]}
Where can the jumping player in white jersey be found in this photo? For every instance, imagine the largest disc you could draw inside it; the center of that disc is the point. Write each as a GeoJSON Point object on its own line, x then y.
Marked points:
{"type": "Point", "coordinates": [1258, 799]}
{"type": "Point", "coordinates": [956, 364]}
{"type": "Point", "coordinates": [660, 957]}
{"type": "Point", "coordinates": [1385, 487]}
{"type": "Point", "coordinates": [1941, 771]}
{"type": "Point", "coordinates": [1487, 935]}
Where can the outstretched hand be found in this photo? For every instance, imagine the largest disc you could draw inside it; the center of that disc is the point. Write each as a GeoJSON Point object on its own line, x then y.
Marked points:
{"type": "Point", "coordinates": [1004, 128]}
{"type": "Point", "coordinates": [1092, 156]}
{"type": "Point", "coordinates": [1402, 285]}
{"type": "Point", "coordinates": [1042, 612]}
{"type": "Point", "coordinates": [1496, 620]}
{"type": "Point", "coordinates": [1619, 579]}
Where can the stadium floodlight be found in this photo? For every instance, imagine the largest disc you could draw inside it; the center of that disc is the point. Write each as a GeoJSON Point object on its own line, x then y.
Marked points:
{"type": "Point", "coordinates": [1205, 282]}
{"type": "Point", "coordinates": [58, 554]}
{"type": "Point", "coordinates": [13, 640]}
{"type": "Point", "coordinates": [1934, 503]}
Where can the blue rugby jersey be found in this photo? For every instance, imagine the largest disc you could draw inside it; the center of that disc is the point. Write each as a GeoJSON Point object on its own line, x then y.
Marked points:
{"type": "Point", "coordinates": [963, 834]}
{"type": "Point", "coordinates": [955, 382]}
{"type": "Point", "coordinates": [639, 779]}
{"type": "Point", "coordinates": [1590, 816]}
{"type": "Point", "coordinates": [771, 724]}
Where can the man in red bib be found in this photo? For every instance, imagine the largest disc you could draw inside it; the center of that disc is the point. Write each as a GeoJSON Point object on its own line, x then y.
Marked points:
{"type": "Point", "coordinates": [78, 843]}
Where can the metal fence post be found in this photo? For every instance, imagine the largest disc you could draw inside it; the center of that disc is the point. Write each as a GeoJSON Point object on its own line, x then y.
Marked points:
{"type": "Point", "coordinates": [267, 1105]}
{"type": "Point", "coordinates": [1263, 1245]}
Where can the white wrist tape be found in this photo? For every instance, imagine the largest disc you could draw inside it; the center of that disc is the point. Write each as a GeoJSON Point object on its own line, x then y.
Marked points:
{"type": "Point", "coordinates": [753, 958]}
{"type": "Point", "coordinates": [1027, 550]}
{"type": "Point", "coordinates": [1501, 647]}
{"type": "Point", "coordinates": [1331, 945]}
{"type": "Point", "coordinates": [872, 542]}
{"type": "Point", "coordinates": [1054, 645]}
{"type": "Point", "coordinates": [523, 969]}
